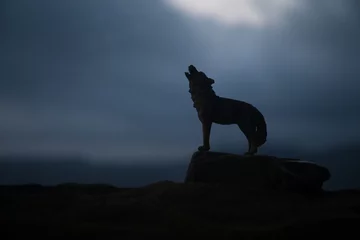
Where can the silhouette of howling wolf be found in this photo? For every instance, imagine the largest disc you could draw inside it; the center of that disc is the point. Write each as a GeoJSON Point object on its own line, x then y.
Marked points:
{"type": "Point", "coordinates": [214, 109]}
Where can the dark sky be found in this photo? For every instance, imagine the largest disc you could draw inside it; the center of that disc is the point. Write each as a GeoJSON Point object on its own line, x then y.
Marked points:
{"type": "Point", "coordinates": [106, 78]}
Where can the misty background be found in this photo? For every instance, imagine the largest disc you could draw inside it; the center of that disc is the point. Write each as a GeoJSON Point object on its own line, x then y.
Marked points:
{"type": "Point", "coordinates": [94, 91]}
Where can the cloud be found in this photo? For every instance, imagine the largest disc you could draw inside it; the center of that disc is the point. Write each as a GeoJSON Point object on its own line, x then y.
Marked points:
{"type": "Point", "coordinates": [103, 75]}
{"type": "Point", "coordinates": [256, 13]}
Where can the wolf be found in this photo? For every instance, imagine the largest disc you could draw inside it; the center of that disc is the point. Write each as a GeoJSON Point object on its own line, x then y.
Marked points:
{"type": "Point", "coordinates": [224, 111]}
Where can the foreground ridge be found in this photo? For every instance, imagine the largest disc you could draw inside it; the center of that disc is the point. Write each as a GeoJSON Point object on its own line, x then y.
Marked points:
{"type": "Point", "coordinates": [176, 210]}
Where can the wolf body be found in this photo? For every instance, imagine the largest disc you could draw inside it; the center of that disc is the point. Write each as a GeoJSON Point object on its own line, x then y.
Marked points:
{"type": "Point", "coordinates": [225, 111]}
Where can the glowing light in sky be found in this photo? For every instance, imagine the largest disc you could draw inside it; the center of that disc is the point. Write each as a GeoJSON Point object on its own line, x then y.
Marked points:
{"type": "Point", "coordinates": [234, 12]}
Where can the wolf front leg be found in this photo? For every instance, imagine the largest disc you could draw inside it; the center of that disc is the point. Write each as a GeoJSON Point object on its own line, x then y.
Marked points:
{"type": "Point", "coordinates": [206, 129]}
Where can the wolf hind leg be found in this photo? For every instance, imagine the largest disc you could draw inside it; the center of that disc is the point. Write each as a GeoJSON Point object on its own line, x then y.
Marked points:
{"type": "Point", "coordinates": [249, 131]}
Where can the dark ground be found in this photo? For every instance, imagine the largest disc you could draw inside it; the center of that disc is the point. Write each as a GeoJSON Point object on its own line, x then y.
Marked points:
{"type": "Point", "coordinates": [174, 210]}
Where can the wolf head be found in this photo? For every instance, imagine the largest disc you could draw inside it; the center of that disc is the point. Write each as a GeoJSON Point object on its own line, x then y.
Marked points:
{"type": "Point", "coordinates": [197, 78]}
{"type": "Point", "coordinates": [199, 87]}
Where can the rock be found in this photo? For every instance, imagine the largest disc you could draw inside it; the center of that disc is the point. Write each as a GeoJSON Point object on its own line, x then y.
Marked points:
{"type": "Point", "coordinates": [258, 171]}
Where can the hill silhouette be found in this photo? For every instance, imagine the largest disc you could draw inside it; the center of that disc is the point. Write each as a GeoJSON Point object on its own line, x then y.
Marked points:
{"type": "Point", "coordinates": [176, 210]}
{"type": "Point", "coordinates": [184, 209]}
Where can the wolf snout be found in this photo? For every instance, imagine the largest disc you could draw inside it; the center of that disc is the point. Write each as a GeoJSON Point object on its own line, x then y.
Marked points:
{"type": "Point", "coordinates": [192, 69]}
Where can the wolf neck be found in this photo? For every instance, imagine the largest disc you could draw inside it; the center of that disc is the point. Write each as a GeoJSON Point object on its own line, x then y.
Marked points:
{"type": "Point", "coordinates": [202, 97]}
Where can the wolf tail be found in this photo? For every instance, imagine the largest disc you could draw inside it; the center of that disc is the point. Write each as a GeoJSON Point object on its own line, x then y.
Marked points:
{"type": "Point", "coordinates": [261, 129]}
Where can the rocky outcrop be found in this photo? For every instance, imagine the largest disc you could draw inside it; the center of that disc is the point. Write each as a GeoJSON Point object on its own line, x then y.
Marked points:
{"type": "Point", "coordinates": [253, 172]}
